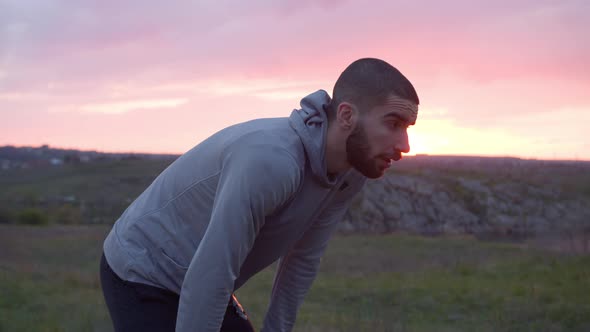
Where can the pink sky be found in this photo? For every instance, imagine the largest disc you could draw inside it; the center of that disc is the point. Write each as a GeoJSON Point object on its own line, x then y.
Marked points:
{"type": "Point", "coordinates": [506, 78]}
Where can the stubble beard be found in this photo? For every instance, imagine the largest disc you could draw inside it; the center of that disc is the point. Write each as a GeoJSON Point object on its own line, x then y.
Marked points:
{"type": "Point", "coordinates": [358, 153]}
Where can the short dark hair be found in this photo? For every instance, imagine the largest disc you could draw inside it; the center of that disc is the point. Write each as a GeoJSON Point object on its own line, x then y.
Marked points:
{"type": "Point", "coordinates": [367, 83]}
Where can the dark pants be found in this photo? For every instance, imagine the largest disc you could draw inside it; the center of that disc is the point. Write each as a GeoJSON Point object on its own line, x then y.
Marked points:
{"type": "Point", "coordinates": [139, 307]}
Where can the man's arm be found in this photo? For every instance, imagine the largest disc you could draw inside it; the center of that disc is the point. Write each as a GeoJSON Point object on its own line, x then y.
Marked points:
{"type": "Point", "coordinates": [297, 270]}
{"type": "Point", "coordinates": [254, 181]}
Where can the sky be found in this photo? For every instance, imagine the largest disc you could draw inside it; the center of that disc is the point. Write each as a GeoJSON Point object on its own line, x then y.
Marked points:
{"type": "Point", "coordinates": [495, 78]}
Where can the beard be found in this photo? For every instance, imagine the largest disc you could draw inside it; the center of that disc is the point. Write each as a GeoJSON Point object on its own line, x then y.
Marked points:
{"type": "Point", "coordinates": [358, 153]}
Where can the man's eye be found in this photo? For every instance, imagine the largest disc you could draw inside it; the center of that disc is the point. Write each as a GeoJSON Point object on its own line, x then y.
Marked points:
{"type": "Point", "coordinates": [394, 124]}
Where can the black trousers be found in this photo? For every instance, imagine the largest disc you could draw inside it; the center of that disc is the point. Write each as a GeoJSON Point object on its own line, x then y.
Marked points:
{"type": "Point", "coordinates": [139, 307]}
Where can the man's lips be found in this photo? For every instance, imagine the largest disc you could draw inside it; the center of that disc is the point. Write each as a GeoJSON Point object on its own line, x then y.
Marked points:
{"type": "Point", "coordinates": [396, 156]}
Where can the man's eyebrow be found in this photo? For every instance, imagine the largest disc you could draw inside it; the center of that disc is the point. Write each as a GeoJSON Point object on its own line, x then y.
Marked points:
{"type": "Point", "coordinates": [398, 116]}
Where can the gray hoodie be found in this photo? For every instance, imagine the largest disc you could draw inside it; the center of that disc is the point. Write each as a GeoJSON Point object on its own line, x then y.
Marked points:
{"type": "Point", "coordinates": [249, 195]}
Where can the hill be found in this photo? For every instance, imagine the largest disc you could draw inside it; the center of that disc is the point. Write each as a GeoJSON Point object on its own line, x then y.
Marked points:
{"type": "Point", "coordinates": [484, 196]}
{"type": "Point", "coordinates": [488, 197]}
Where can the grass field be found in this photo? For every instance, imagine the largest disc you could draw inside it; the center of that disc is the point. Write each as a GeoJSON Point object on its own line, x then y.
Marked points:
{"type": "Point", "coordinates": [96, 192]}
{"type": "Point", "coordinates": [49, 282]}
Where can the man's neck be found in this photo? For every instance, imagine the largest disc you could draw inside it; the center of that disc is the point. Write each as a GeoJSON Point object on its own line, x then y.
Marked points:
{"type": "Point", "coordinates": [336, 162]}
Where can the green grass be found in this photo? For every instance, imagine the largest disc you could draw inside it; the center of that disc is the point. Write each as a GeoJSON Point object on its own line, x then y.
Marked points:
{"type": "Point", "coordinates": [49, 282]}
{"type": "Point", "coordinates": [98, 192]}
{"type": "Point", "coordinates": [49, 279]}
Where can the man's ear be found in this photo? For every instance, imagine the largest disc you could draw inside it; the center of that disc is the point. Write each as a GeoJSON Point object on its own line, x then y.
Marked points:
{"type": "Point", "coordinates": [346, 116]}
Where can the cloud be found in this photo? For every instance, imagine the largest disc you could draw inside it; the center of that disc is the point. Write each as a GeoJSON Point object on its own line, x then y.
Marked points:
{"type": "Point", "coordinates": [127, 106]}
{"type": "Point", "coordinates": [475, 64]}
{"type": "Point", "coordinates": [273, 89]}
{"type": "Point", "coordinates": [481, 41]}
{"type": "Point", "coordinates": [488, 104]}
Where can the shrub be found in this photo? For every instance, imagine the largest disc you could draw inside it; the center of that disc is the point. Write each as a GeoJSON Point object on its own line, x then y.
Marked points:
{"type": "Point", "coordinates": [32, 216]}
{"type": "Point", "coordinates": [6, 217]}
{"type": "Point", "coordinates": [68, 214]}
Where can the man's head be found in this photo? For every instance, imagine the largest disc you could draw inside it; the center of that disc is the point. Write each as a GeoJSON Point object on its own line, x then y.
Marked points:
{"type": "Point", "coordinates": [372, 106]}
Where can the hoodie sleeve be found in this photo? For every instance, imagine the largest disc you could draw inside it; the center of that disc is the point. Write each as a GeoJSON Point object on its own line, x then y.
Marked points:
{"type": "Point", "coordinates": [297, 270]}
{"type": "Point", "coordinates": [254, 181]}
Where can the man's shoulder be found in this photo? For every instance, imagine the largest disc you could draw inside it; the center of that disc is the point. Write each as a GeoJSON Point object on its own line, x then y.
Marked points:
{"type": "Point", "coordinates": [265, 137]}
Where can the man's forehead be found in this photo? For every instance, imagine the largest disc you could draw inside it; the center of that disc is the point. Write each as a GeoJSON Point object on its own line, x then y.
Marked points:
{"type": "Point", "coordinates": [403, 108]}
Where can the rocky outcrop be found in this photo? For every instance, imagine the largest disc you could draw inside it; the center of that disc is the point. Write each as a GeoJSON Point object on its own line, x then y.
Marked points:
{"type": "Point", "coordinates": [430, 200]}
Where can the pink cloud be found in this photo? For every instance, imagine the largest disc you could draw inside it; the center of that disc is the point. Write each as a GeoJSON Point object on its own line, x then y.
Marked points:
{"type": "Point", "coordinates": [473, 40]}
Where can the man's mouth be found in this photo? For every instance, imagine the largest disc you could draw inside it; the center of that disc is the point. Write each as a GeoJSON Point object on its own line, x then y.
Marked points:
{"type": "Point", "coordinates": [387, 161]}
{"type": "Point", "coordinates": [395, 157]}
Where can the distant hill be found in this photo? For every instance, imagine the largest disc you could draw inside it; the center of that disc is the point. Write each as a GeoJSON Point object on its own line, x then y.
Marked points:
{"type": "Point", "coordinates": [485, 196]}
{"type": "Point", "coordinates": [33, 157]}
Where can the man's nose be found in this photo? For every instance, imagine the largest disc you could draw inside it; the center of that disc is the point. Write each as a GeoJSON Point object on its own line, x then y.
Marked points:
{"type": "Point", "coordinates": [403, 144]}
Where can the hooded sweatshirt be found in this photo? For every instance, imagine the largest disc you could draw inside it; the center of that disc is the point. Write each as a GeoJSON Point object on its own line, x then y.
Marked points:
{"type": "Point", "coordinates": [249, 195]}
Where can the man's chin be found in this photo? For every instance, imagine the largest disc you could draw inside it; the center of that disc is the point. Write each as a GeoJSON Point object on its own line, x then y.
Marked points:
{"type": "Point", "coordinates": [374, 173]}
{"type": "Point", "coordinates": [372, 169]}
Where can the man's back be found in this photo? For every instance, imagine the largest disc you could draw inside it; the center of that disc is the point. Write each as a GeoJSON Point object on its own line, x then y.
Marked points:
{"type": "Point", "coordinates": [167, 221]}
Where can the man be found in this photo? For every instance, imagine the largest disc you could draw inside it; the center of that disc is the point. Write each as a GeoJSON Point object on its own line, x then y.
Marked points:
{"type": "Point", "coordinates": [251, 194]}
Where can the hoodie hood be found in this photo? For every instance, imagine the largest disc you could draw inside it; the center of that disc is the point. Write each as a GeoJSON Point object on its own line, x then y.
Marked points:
{"type": "Point", "coordinates": [311, 124]}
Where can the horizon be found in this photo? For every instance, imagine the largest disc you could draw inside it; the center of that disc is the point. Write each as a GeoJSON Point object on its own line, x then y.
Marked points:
{"type": "Point", "coordinates": [404, 155]}
{"type": "Point", "coordinates": [160, 79]}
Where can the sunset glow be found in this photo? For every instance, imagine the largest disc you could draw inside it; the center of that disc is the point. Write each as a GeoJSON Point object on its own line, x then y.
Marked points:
{"type": "Point", "coordinates": [502, 78]}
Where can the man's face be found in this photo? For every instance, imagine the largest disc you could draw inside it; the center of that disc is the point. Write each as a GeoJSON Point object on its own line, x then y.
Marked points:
{"type": "Point", "coordinates": [380, 136]}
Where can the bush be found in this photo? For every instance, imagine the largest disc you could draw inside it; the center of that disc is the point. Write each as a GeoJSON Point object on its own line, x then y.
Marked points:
{"type": "Point", "coordinates": [32, 216]}
{"type": "Point", "coordinates": [6, 217]}
{"type": "Point", "coordinates": [68, 214]}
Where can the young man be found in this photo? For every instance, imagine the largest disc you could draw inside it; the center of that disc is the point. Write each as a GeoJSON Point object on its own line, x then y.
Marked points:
{"type": "Point", "coordinates": [251, 194]}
